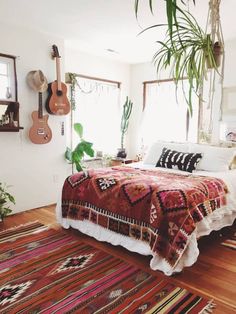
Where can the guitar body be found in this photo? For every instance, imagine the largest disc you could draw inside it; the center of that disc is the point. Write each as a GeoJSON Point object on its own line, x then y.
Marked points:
{"type": "Point", "coordinates": [57, 102]}
{"type": "Point", "coordinates": [40, 132]}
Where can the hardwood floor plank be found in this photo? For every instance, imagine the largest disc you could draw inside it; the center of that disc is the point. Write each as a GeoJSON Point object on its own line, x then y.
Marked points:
{"type": "Point", "coordinates": [212, 276]}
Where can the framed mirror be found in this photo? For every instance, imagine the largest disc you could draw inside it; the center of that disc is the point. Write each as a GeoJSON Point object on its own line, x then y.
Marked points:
{"type": "Point", "coordinates": [8, 82]}
{"type": "Point", "coordinates": [9, 106]}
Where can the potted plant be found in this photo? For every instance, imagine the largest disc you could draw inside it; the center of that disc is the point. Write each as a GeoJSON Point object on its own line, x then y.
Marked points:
{"type": "Point", "coordinates": [127, 109]}
{"type": "Point", "coordinates": [83, 148]}
{"type": "Point", "coordinates": [5, 200]}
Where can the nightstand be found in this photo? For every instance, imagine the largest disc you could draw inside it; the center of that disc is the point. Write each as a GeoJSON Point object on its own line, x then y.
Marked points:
{"type": "Point", "coordinates": [120, 161]}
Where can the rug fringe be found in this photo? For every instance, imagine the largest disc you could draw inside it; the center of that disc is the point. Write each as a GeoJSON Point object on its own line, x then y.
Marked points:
{"type": "Point", "coordinates": [208, 308]}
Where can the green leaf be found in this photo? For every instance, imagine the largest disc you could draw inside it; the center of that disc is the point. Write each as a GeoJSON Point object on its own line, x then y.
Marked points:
{"type": "Point", "coordinates": [78, 167]}
{"type": "Point", "coordinates": [79, 129]}
{"type": "Point", "coordinates": [68, 154]}
{"type": "Point", "coordinates": [77, 156]}
{"type": "Point", "coordinates": [88, 149]}
{"type": "Point", "coordinates": [79, 150]}
{"type": "Point", "coordinates": [150, 6]}
{"type": "Point", "coordinates": [169, 13]}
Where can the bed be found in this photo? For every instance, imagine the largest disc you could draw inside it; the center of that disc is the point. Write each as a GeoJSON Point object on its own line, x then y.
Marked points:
{"type": "Point", "coordinates": [151, 210]}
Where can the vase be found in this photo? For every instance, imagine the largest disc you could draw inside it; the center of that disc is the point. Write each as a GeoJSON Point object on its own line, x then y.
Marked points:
{"type": "Point", "coordinates": [121, 153]}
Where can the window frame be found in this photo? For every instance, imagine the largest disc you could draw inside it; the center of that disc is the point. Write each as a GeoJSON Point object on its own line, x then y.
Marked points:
{"type": "Point", "coordinates": [13, 78]}
{"type": "Point", "coordinates": [187, 111]}
{"type": "Point", "coordinates": [68, 81]}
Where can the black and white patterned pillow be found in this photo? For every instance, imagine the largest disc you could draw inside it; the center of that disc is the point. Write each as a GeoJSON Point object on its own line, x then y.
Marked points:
{"type": "Point", "coordinates": [178, 160]}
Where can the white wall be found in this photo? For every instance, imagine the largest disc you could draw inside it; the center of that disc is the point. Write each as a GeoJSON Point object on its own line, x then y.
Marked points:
{"type": "Point", "coordinates": [34, 171]}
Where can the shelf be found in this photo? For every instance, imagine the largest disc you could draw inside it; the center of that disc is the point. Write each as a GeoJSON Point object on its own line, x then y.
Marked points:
{"type": "Point", "coordinates": [10, 128]}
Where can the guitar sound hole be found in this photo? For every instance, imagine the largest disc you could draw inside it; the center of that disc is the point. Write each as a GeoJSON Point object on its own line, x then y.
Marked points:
{"type": "Point", "coordinates": [59, 93]}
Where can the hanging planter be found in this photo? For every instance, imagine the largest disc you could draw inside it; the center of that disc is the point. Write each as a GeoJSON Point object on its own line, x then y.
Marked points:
{"type": "Point", "coordinates": [217, 53]}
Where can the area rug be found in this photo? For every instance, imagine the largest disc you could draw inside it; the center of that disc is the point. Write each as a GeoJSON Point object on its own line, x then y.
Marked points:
{"type": "Point", "coordinates": [47, 271]}
{"type": "Point", "coordinates": [230, 243]}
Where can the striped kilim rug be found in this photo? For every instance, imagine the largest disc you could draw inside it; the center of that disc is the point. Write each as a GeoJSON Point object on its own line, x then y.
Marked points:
{"type": "Point", "coordinates": [231, 243]}
{"type": "Point", "coordinates": [47, 271]}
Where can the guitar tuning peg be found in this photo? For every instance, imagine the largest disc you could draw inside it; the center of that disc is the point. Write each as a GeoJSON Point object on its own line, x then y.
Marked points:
{"type": "Point", "coordinates": [52, 55]}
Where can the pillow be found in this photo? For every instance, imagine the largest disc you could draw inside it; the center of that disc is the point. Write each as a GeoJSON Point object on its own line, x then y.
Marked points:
{"type": "Point", "coordinates": [178, 160]}
{"type": "Point", "coordinates": [214, 158]}
{"type": "Point", "coordinates": [156, 148]}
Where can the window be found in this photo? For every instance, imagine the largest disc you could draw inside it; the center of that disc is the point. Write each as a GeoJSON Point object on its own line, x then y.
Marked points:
{"type": "Point", "coordinates": [97, 108]}
{"type": "Point", "coordinates": [7, 78]}
{"type": "Point", "coordinates": [165, 114]}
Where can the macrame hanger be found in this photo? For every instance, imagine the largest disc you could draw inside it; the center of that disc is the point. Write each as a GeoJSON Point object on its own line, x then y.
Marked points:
{"type": "Point", "coordinates": [215, 29]}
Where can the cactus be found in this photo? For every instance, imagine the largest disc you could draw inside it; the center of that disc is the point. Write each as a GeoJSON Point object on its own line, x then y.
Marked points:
{"type": "Point", "coordinates": [127, 109]}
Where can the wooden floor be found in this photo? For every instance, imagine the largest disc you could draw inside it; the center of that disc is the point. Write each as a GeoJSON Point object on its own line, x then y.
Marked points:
{"type": "Point", "coordinates": [212, 276]}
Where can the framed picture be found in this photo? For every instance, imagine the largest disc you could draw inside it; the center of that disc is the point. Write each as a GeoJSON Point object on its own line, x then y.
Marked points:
{"type": "Point", "coordinates": [229, 101]}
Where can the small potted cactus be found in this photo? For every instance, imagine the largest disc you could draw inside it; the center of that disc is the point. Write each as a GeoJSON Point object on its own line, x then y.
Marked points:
{"type": "Point", "coordinates": [127, 109]}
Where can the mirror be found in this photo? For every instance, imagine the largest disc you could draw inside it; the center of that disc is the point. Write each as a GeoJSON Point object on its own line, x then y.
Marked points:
{"type": "Point", "coordinates": [9, 106]}
{"type": "Point", "coordinates": [8, 87]}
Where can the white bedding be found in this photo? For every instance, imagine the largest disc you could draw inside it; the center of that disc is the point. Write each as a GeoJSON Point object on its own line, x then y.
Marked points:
{"type": "Point", "coordinates": [220, 218]}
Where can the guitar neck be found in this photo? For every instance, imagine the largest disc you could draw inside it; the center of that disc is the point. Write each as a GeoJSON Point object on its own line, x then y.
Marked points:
{"type": "Point", "coordinates": [40, 108]}
{"type": "Point", "coordinates": [58, 68]}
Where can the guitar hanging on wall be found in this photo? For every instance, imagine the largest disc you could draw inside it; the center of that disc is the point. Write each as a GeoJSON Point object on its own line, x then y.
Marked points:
{"type": "Point", "coordinates": [40, 132]}
{"type": "Point", "coordinates": [57, 102]}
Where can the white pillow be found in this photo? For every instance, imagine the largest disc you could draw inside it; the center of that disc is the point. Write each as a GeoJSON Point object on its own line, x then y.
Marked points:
{"type": "Point", "coordinates": [155, 150]}
{"type": "Point", "coordinates": [213, 158]}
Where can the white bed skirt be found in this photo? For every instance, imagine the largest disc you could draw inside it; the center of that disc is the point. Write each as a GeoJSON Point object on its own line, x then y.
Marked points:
{"type": "Point", "coordinates": [220, 218]}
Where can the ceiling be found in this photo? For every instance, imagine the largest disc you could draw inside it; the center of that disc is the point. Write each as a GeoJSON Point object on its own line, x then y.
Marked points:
{"type": "Point", "coordinates": [97, 25]}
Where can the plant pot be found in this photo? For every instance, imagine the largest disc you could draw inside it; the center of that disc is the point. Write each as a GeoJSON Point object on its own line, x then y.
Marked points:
{"type": "Point", "coordinates": [121, 153]}
{"type": "Point", "coordinates": [217, 52]}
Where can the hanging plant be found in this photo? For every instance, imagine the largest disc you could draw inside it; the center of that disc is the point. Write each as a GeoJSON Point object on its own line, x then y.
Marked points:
{"type": "Point", "coordinates": [189, 52]}
{"type": "Point", "coordinates": [171, 8]}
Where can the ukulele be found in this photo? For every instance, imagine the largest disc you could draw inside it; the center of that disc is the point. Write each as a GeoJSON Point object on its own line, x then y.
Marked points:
{"type": "Point", "coordinates": [40, 132]}
{"type": "Point", "coordinates": [57, 102]}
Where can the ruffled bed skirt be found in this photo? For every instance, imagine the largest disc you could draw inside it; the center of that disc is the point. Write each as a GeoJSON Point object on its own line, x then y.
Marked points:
{"type": "Point", "coordinates": [220, 218]}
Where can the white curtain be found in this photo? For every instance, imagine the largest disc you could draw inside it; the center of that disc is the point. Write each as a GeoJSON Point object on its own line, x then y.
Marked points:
{"type": "Point", "coordinates": [97, 108]}
{"type": "Point", "coordinates": [164, 117]}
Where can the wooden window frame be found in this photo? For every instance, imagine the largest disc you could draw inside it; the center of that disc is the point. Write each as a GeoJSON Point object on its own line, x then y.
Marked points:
{"type": "Point", "coordinates": [164, 81]}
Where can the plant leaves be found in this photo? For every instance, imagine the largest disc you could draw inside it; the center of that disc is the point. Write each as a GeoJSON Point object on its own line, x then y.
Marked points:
{"type": "Point", "coordinates": [78, 167]}
{"type": "Point", "coordinates": [79, 129]}
{"type": "Point", "coordinates": [68, 154]}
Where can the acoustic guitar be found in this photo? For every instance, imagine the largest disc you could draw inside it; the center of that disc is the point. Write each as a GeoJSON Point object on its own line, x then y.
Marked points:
{"type": "Point", "coordinates": [40, 132]}
{"type": "Point", "coordinates": [57, 102]}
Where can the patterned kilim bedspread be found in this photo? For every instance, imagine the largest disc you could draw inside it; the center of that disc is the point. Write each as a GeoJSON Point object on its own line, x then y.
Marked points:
{"type": "Point", "coordinates": [157, 207]}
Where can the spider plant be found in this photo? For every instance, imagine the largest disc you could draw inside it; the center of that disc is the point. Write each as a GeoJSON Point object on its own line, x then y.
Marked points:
{"type": "Point", "coordinates": [171, 8]}
{"type": "Point", "coordinates": [188, 54]}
